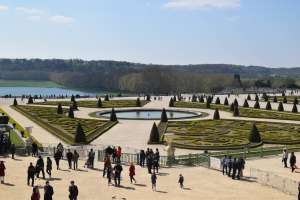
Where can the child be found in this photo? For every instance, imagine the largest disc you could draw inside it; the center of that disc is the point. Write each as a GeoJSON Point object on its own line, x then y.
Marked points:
{"type": "Point", "coordinates": [2, 171]}
{"type": "Point", "coordinates": [153, 181]}
{"type": "Point", "coordinates": [181, 180]}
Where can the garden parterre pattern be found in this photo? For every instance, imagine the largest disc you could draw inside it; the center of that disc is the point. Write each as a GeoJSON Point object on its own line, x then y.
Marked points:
{"type": "Point", "coordinates": [229, 134]}
{"type": "Point", "coordinates": [61, 125]}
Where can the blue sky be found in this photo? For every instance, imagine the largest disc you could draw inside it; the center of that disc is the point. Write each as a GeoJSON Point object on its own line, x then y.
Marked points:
{"type": "Point", "coordinates": [249, 32]}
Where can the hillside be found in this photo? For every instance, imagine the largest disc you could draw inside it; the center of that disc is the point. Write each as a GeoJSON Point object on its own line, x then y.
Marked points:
{"type": "Point", "coordinates": [126, 76]}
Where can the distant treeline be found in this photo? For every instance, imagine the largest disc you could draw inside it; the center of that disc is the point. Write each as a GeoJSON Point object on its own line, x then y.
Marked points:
{"type": "Point", "coordinates": [135, 77]}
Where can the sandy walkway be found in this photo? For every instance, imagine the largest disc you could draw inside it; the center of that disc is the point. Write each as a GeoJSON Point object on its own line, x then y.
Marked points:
{"type": "Point", "coordinates": [200, 183]}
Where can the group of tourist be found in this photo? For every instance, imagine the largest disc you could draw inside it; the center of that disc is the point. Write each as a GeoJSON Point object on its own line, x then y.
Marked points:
{"type": "Point", "coordinates": [151, 159]}
{"type": "Point", "coordinates": [293, 160]}
{"type": "Point", "coordinates": [49, 192]}
{"type": "Point", "coordinates": [233, 167]}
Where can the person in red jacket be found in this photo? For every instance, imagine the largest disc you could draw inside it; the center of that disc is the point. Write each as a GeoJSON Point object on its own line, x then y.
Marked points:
{"type": "Point", "coordinates": [132, 173]}
{"type": "Point", "coordinates": [2, 172]}
{"type": "Point", "coordinates": [35, 194]}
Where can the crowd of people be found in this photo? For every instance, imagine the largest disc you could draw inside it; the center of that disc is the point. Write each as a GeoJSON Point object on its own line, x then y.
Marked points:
{"type": "Point", "coordinates": [233, 167]}
{"type": "Point", "coordinates": [292, 161]}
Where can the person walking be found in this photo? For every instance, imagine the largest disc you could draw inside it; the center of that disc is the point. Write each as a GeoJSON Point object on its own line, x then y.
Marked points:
{"type": "Point", "coordinates": [117, 174]}
{"type": "Point", "coordinates": [224, 164]}
{"type": "Point", "coordinates": [91, 158]}
{"type": "Point", "coordinates": [49, 166]}
{"type": "Point", "coordinates": [73, 191]}
{"type": "Point", "coordinates": [285, 156]}
{"type": "Point", "coordinates": [181, 180]}
{"type": "Point", "coordinates": [293, 161]}
{"type": "Point", "coordinates": [2, 172]}
{"type": "Point", "coordinates": [241, 167]}
{"type": "Point", "coordinates": [75, 160]}
{"type": "Point", "coordinates": [107, 163]}
{"type": "Point", "coordinates": [69, 158]}
{"type": "Point", "coordinates": [109, 174]}
{"type": "Point", "coordinates": [57, 157]}
{"type": "Point", "coordinates": [35, 193]}
{"type": "Point", "coordinates": [13, 151]}
{"type": "Point", "coordinates": [153, 181]}
{"type": "Point", "coordinates": [40, 167]}
{"type": "Point", "coordinates": [30, 174]}
{"type": "Point", "coordinates": [34, 149]}
{"type": "Point", "coordinates": [142, 158]}
{"type": "Point", "coordinates": [48, 191]}
{"type": "Point", "coordinates": [298, 190]}
{"type": "Point", "coordinates": [234, 168]}
{"type": "Point", "coordinates": [132, 173]}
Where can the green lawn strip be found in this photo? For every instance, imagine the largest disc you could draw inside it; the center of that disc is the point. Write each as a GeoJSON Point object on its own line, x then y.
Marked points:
{"type": "Point", "coordinates": [93, 104]}
{"type": "Point", "coordinates": [245, 112]}
{"type": "Point", "coordinates": [229, 134]}
{"type": "Point", "coordinates": [16, 140]}
{"type": "Point", "coordinates": [61, 125]}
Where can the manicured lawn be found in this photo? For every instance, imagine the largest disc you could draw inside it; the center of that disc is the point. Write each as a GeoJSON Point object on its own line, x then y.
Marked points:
{"type": "Point", "coordinates": [229, 134]}
{"type": "Point", "coordinates": [245, 112]}
{"type": "Point", "coordinates": [18, 83]}
{"type": "Point", "coordinates": [93, 104]}
{"type": "Point", "coordinates": [61, 125]}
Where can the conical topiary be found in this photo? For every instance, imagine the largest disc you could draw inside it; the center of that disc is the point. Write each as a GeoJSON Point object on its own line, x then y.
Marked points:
{"type": "Point", "coordinates": [174, 98]}
{"type": "Point", "coordinates": [283, 94]}
{"type": "Point", "coordinates": [138, 102]}
{"type": "Point", "coordinates": [60, 109]}
{"type": "Point", "coordinates": [207, 104]}
{"type": "Point", "coordinates": [113, 115]}
{"type": "Point", "coordinates": [236, 111]}
{"type": "Point", "coordinates": [256, 97]}
{"type": "Point", "coordinates": [280, 107]}
{"type": "Point", "coordinates": [194, 98]}
{"type": "Point", "coordinates": [171, 102]}
{"type": "Point", "coordinates": [268, 106]}
{"type": "Point", "coordinates": [216, 114]}
{"type": "Point", "coordinates": [249, 97]}
{"type": "Point", "coordinates": [72, 98]}
{"type": "Point", "coordinates": [231, 107]}
{"type": "Point", "coordinates": [99, 103]}
{"type": "Point", "coordinates": [148, 98]}
{"type": "Point", "coordinates": [217, 100]}
{"type": "Point", "coordinates": [296, 100]}
{"type": "Point", "coordinates": [235, 103]}
{"type": "Point", "coordinates": [256, 105]}
{"type": "Point", "coordinates": [201, 100]}
{"type": "Point", "coordinates": [30, 100]}
{"type": "Point", "coordinates": [80, 137]}
{"type": "Point", "coordinates": [254, 136]}
{"type": "Point", "coordinates": [265, 96]}
{"type": "Point", "coordinates": [284, 100]}
{"type": "Point", "coordinates": [154, 135]}
{"type": "Point", "coordinates": [246, 105]}
{"type": "Point", "coordinates": [226, 102]}
{"type": "Point", "coordinates": [106, 98]}
{"type": "Point", "coordinates": [295, 109]}
{"type": "Point", "coordinates": [164, 117]}
{"type": "Point", "coordinates": [275, 99]}
{"type": "Point", "coordinates": [15, 102]}
{"type": "Point", "coordinates": [74, 105]}
{"type": "Point", "coordinates": [71, 112]}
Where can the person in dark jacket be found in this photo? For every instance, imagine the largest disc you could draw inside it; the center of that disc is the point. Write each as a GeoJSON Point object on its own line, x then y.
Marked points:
{"type": "Point", "coordinates": [69, 158]}
{"type": "Point", "coordinates": [73, 191]}
{"type": "Point", "coordinates": [229, 165]}
{"type": "Point", "coordinates": [234, 168]}
{"type": "Point", "coordinates": [48, 191]}
{"type": "Point", "coordinates": [142, 158]}
{"type": "Point", "coordinates": [57, 157]}
{"type": "Point", "coordinates": [241, 166]}
{"type": "Point", "coordinates": [34, 149]}
{"type": "Point", "coordinates": [13, 151]}
{"type": "Point", "coordinates": [293, 161]}
{"type": "Point", "coordinates": [181, 180]}
{"type": "Point", "coordinates": [153, 181]}
{"type": "Point", "coordinates": [49, 166]}
{"type": "Point", "coordinates": [118, 170]}
{"type": "Point", "coordinates": [30, 174]}
{"type": "Point", "coordinates": [40, 167]}
{"type": "Point", "coordinates": [75, 160]}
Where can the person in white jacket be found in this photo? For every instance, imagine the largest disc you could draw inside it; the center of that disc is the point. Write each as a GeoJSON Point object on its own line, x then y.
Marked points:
{"type": "Point", "coordinates": [285, 156]}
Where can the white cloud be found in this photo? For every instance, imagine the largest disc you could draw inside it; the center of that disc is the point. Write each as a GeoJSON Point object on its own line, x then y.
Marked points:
{"type": "Point", "coordinates": [3, 8]}
{"type": "Point", "coordinates": [30, 11]}
{"type": "Point", "coordinates": [34, 18]}
{"type": "Point", "coordinates": [198, 4]}
{"type": "Point", "coordinates": [61, 19]}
